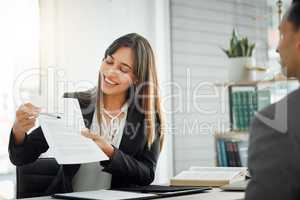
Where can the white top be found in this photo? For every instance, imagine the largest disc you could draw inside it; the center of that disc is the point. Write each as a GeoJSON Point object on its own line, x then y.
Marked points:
{"type": "Point", "coordinates": [90, 175]}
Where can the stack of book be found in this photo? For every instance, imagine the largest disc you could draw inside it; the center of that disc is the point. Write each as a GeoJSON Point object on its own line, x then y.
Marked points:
{"type": "Point", "coordinates": [231, 153]}
{"type": "Point", "coordinates": [245, 104]}
{"type": "Point", "coordinates": [209, 176]}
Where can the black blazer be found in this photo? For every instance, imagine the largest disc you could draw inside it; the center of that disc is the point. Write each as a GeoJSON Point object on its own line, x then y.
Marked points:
{"type": "Point", "coordinates": [133, 163]}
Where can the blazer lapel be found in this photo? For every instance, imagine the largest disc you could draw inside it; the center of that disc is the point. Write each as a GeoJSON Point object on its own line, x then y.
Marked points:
{"type": "Point", "coordinates": [133, 133]}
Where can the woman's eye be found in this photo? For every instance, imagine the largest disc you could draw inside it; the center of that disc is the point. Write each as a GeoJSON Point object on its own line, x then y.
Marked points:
{"type": "Point", "coordinates": [125, 69]}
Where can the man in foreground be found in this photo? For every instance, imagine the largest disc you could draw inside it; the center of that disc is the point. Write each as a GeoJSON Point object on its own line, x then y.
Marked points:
{"type": "Point", "coordinates": [274, 149]}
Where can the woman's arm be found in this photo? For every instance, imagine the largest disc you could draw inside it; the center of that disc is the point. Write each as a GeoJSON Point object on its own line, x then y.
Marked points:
{"type": "Point", "coordinates": [139, 170]}
{"type": "Point", "coordinates": [29, 150]}
{"type": "Point", "coordinates": [25, 148]}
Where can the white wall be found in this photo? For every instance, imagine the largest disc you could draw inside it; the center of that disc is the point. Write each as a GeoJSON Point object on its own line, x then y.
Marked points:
{"type": "Point", "coordinates": [19, 22]}
{"type": "Point", "coordinates": [199, 28]}
{"type": "Point", "coordinates": [75, 34]}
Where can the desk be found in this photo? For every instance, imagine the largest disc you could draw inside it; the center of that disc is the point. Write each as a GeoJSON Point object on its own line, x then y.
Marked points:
{"type": "Point", "coordinates": [215, 194]}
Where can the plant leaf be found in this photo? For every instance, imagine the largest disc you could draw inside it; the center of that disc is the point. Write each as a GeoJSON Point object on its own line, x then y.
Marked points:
{"type": "Point", "coordinates": [246, 47]}
{"type": "Point", "coordinates": [239, 49]}
{"type": "Point", "coordinates": [251, 49]}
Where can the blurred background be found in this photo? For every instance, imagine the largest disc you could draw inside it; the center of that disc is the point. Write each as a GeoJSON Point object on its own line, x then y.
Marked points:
{"type": "Point", "coordinates": [48, 47]}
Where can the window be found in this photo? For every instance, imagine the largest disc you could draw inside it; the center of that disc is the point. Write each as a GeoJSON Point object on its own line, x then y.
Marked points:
{"type": "Point", "coordinates": [19, 49]}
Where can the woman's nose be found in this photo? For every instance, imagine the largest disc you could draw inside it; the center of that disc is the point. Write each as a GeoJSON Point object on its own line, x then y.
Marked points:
{"type": "Point", "coordinates": [112, 70]}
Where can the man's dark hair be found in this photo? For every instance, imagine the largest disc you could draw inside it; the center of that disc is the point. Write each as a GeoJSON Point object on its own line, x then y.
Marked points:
{"type": "Point", "coordinates": [293, 14]}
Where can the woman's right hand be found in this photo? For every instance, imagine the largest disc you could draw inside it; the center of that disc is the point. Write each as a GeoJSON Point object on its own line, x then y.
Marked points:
{"type": "Point", "coordinates": [25, 120]}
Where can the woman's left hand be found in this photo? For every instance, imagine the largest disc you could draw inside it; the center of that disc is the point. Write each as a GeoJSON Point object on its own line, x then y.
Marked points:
{"type": "Point", "coordinates": [107, 148]}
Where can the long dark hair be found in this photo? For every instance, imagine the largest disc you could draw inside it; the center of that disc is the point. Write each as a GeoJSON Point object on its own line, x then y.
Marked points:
{"type": "Point", "coordinates": [144, 69]}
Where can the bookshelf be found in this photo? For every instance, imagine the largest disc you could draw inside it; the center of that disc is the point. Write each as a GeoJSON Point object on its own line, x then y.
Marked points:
{"type": "Point", "coordinates": [245, 99]}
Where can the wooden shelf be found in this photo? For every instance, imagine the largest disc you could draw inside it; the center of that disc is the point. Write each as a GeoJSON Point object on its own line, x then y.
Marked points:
{"type": "Point", "coordinates": [246, 83]}
{"type": "Point", "coordinates": [235, 135]}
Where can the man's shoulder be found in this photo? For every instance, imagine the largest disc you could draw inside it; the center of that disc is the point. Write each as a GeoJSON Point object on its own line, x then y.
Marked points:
{"type": "Point", "coordinates": [293, 98]}
{"type": "Point", "coordinates": [277, 114]}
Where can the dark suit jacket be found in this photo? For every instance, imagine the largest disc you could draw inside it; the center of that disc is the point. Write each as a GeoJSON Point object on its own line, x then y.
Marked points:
{"type": "Point", "coordinates": [274, 154]}
{"type": "Point", "coordinates": [133, 163]}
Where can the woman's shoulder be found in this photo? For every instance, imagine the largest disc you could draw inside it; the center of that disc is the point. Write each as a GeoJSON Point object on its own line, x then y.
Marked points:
{"type": "Point", "coordinates": [85, 95]}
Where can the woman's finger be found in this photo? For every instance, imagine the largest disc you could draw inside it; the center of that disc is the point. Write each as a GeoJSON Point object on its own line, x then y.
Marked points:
{"type": "Point", "coordinates": [30, 109]}
{"type": "Point", "coordinates": [91, 136]}
{"type": "Point", "coordinates": [85, 131]}
{"type": "Point", "coordinates": [88, 131]}
{"type": "Point", "coordinates": [26, 122]}
{"type": "Point", "coordinates": [26, 116]}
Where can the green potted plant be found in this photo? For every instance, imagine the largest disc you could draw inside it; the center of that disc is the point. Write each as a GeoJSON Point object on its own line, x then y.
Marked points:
{"type": "Point", "coordinates": [240, 53]}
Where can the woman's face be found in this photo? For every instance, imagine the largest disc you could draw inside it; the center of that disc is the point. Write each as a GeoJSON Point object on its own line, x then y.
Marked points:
{"type": "Point", "coordinates": [117, 72]}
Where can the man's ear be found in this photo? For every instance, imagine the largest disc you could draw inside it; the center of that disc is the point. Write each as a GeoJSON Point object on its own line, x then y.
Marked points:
{"type": "Point", "coordinates": [298, 39]}
{"type": "Point", "coordinates": [298, 44]}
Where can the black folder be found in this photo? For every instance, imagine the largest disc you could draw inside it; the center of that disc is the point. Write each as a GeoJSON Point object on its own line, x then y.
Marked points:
{"type": "Point", "coordinates": [161, 188]}
{"type": "Point", "coordinates": [158, 191]}
{"type": "Point", "coordinates": [163, 191]}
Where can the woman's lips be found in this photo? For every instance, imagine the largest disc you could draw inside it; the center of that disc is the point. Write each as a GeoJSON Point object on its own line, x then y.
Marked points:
{"type": "Point", "coordinates": [109, 82]}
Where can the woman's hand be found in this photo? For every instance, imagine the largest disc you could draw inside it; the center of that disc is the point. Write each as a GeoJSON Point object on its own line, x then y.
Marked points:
{"type": "Point", "coordinates": [107, 148]}
{"type": "Point", "coordinates": [25, 120]}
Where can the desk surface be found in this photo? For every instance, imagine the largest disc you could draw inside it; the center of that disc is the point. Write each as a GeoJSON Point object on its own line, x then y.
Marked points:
{"type": "Point", "coordinates": [215, 194]}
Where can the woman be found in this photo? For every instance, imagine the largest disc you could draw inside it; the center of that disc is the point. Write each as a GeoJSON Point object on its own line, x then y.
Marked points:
{"type": "Point", "coordinates": [122, 115]}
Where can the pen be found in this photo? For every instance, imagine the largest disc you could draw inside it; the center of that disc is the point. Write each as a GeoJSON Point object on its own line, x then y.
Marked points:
{"type": "Point", "coordinates": [50, 115]}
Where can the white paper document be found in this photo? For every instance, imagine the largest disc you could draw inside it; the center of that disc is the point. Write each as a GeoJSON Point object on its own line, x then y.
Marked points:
{"type": "Point", "coordinates": [105, 194]}
{"type": "Point", "coordinates": [64, 137]}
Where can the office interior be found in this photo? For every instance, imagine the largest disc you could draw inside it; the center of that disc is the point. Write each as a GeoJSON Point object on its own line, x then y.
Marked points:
{"type": "Point", "coordinates": [49, 47]}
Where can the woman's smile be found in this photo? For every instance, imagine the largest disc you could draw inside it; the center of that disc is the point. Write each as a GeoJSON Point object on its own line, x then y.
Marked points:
{"type": "Point", "coordinates": [109, 82]}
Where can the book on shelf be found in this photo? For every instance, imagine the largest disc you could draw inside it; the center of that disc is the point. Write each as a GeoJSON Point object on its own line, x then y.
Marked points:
{"type": "Point", "coordinates": [243, 152]}
{"type": "Point", "coordinates": [209, 176]}
{"type": "Point", "coordinates": [231, 152]}
{"type": "Point", "coordinates": [263, 98]}
{"type": "Point", "coordinates": [244, 105]}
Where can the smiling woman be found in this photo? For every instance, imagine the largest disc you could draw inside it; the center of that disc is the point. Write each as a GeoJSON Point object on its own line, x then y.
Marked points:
{"type": "Point", "coordinates": [129, 72]}
{"type": "Point", "coordinates": [122, 116]}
